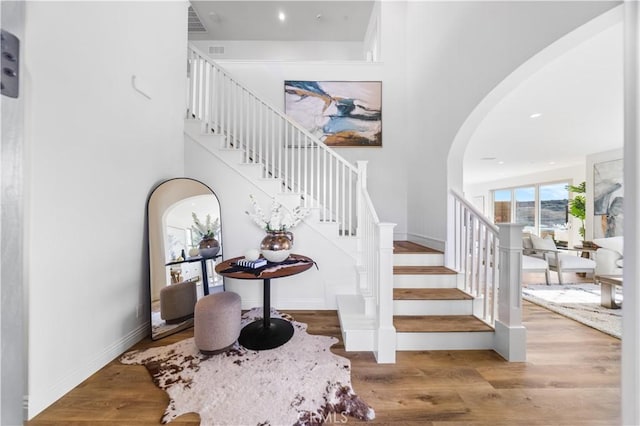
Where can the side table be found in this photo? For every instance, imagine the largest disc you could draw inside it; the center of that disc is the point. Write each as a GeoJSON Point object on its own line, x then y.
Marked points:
{"type": "Point", "coordinates": [267, 332]}
{"type": "Point", "coordinates": [608, 285]}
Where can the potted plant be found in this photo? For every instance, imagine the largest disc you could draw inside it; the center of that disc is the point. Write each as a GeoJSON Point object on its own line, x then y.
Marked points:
{"type": "Point", "coordinates": [577, 205]}
{"type": "Point", "coordinates": [278, 242]}
{"type": "Point", "coordinates": [206, 233]}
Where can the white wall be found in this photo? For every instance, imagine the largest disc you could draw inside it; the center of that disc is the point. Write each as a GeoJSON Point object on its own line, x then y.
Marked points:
{"type": "Point", "coordinates": [13, 311]}
{"type": "Point", "coordinates": [387, 174]}
{"type": "Point", "coordinates": [630, 390]}
{"type": "Point", "coordinates": [284, 50]}
{"type": "Point", "coordinates": [457, 52]}
{"type": "Point", "coordinates": [313, 289]}
{"type": "Point", "coordinates": [95, 149]}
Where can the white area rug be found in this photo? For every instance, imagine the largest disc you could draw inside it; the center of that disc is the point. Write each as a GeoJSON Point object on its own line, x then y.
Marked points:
{"type": "Point", "coordinates": [300, 383]}
{"type": "Point", "coordinates": [580, 302]}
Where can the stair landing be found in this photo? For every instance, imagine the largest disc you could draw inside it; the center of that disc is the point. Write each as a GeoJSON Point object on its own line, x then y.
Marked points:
{"type": "Point", "coordinates": [409, 247]}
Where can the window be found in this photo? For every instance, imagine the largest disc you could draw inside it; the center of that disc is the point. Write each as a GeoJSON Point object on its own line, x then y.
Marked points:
{"type": "Point", "coordinates": [554, 208]}
{"type": "Point", "coordinates": [502, 206]}
{"type": "Point", "coordinates": [526, 206]}
{"type": "Point", "coordinates": [541, 208]}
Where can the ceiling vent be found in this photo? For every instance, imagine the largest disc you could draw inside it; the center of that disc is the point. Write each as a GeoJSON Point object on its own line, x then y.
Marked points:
{"type": "Point", "coordinates": [216, 50]}
{"type": "Point", "coordinates": [195, 25]}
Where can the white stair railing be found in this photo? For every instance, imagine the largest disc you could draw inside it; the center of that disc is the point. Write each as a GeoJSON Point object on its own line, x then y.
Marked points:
{"type": "Point", "coordinates": [285, 150]}
{"type": "Point", "coordinates": [473, 251]}
{"type": "Point", "coordinates": [376, 262]}
{"type": "Point", "coordinates": [308, 167]}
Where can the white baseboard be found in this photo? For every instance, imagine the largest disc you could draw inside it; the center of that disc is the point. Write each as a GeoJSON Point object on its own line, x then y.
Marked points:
{"type": "Point", "coordinates": [85, 368]}
{"type": "Point", "coordinates": [433, 243]}
{"type": "Point", "coordinates": [400, 236]}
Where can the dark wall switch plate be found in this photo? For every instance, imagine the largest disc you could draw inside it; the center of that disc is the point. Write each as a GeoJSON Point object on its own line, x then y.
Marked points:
{"type": "Point", "coordinates": [10, 76]}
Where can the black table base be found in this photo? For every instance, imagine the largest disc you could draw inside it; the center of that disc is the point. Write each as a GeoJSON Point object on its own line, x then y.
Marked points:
{"type": "Point", "coordinates": [260, 334]}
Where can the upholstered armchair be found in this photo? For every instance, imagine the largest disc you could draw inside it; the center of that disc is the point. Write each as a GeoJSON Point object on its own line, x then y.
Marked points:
{"type": "Point", "coordinates": [609, 255]}
{"type": "Point", "coordinates": [559, 262]}
{"type": "Point", "coordinates": [533, 261]}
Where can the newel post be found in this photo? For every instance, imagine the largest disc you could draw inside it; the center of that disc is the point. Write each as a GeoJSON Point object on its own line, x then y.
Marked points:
{"type": "Point", "coordinates": [510, 335]}
{"type": "Point", "coordinates": [386, 333]}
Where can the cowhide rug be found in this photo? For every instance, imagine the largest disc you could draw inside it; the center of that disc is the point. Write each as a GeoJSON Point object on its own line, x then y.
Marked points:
{"type": "Point", "coordinates": [299, 383]}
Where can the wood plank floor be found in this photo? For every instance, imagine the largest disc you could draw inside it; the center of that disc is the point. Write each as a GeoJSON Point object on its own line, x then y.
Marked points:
{"type": "Point", "coordinates": [409, 247]}
{"type": "Point", "coordinates": [422, 270]}
{"type": "Point", "coordinates": [430, 294]}
{"type": "Point", "coordinates": [571, 378]}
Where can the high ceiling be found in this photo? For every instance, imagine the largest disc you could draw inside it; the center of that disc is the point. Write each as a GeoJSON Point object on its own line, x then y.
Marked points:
{"type": "Point", "coordinates": [304, 20]}
{"type": "Point", "coordinates": [575, 101]}
{"type": "Point", "coordinates": [571, 108]}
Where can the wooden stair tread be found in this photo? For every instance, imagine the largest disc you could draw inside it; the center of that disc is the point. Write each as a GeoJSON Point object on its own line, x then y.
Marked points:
{"type": "Point", "coordinates": [438, 324]}
{"type": "Point", "coordinates": [430, 294]}
{"type": "Point", "coordinates": [410, 247]}
{"type": "Point", "coordinates": [422, 270]}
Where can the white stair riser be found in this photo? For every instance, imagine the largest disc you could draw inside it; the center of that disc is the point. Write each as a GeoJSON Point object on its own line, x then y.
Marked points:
{"type": "Point", "coordinates": [445, 341]}
{"type": "Point", "coordinates": [358, 331]}
{"type": "Point", "coordinates": [359, 340]}
{"type": "Point", "coordinates": [251, 171]}
{"type": "Point", "coordinates": [432, 307]}
{"type": "Point", "coordinates": [425, 281]}
{"type": "Point", "coordinates": [194, 127]}
{"type": "Point", "coordinates": [418, 259]}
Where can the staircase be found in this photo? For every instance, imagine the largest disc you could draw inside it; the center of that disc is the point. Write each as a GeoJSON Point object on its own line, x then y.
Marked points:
{"type": "Point", "coordinates": [429, 311]}
{"type": "Point", "coordinates": [389, 296]}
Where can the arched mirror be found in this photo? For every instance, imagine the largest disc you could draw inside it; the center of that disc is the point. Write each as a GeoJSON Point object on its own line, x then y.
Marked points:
{"type": "Point", "coordinates": [181, 214]}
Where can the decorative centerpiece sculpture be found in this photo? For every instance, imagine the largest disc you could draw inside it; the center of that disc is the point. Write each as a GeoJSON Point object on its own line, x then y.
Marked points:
{"type": "Point", "coordinates": [277, 244]}
{"type": "Point", "coordinates": [208, 246]}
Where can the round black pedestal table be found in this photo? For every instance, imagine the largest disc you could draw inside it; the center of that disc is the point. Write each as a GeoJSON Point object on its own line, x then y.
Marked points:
{"type": "Point", "coordinates": [266, 332]}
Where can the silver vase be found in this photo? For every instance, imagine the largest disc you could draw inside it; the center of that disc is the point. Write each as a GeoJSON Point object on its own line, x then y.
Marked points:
{"type": "Point", "coordinates": [276, 246]}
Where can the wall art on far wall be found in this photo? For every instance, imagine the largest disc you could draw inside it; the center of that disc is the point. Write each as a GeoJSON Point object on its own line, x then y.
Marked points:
{"type": "Point", "coordinates": [608, 199]}
{"type": "Point", "coordinates": [339, 113]}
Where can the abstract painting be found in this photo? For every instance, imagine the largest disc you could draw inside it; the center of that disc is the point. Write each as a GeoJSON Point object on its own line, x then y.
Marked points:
{"type": "Point", "coordinates": [608, 199]}
{"type": "Point", "coordinates": [339, 113]}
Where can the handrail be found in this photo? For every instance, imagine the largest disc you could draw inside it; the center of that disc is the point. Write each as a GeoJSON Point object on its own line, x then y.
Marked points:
{"type": "Point", "coordinates": [473, 246]}
{"type": "Point", "coordinates": [272, 108]}
{"type": "Point", "coordinates": [306, 165]}
{"type": "Point", "coordinates": [475, 211]}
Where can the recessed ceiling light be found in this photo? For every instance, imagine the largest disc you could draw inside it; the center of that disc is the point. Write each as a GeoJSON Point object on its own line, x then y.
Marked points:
{"type": "Point", "coordinates": [552, 162]}
{"type": "Point", "coordinates": [282, 16]}
{"type": "Point", "coordinates": [500, 162]}
{"type": "Point", "coordinates": [535, 115]}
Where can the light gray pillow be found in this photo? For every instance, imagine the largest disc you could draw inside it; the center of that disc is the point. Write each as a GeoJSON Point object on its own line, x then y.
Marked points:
{"type": "Point", "coordinates": [543, 243]}
{"type": "Point", "coordinates": [611, 243]}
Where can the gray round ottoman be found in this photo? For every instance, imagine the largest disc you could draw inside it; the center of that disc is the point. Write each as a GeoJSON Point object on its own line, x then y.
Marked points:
{"type": "Point", "coordinates": [217, 322]}
{"type": "Point", "coordinates": [177, 302]}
